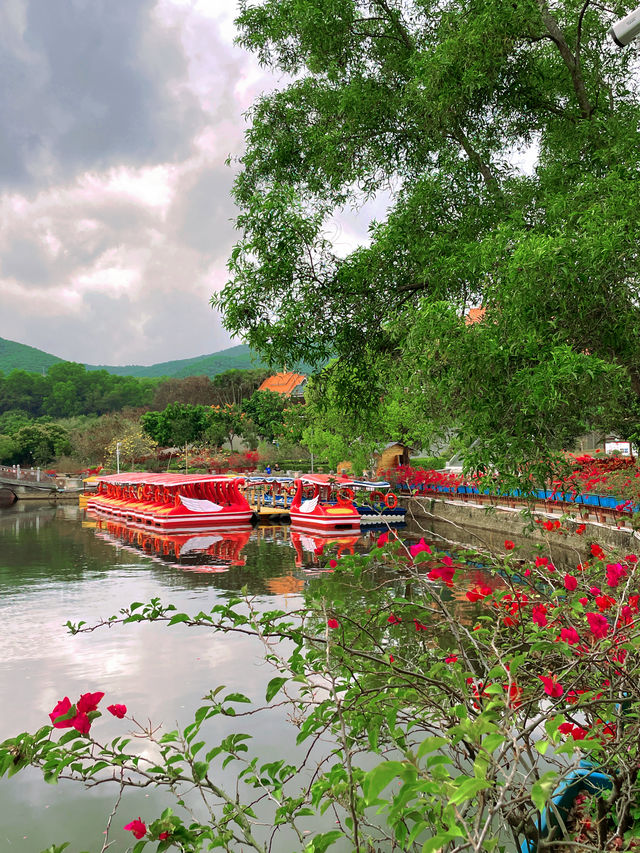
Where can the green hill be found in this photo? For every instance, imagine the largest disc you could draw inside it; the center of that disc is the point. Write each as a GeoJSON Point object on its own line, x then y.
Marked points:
{"type": "Point", "coordinates": [234, 358]}
{"type": "Point", "coordinates": [14, 356]}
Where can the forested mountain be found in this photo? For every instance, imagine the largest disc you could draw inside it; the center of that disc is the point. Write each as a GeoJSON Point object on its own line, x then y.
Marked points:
{"type": "Point", "coordinates": [15, 356]}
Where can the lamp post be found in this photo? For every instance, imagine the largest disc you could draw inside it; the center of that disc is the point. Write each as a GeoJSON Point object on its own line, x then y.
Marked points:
{"type": "Point", "coordinates": [117, 457]}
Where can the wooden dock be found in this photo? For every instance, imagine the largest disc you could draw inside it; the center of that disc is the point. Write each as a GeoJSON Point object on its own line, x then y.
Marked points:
{"type": "Point", "coordinates": [269, 514]}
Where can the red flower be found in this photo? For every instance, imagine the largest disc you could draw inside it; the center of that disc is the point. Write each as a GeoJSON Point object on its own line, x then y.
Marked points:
{"type": "Point", "coordinates": [332, 623]}
{"type": "Point", "coordinates": [420, 626]}
{"type": "Point", "coordinates": [570, 583]}
{"type": "Point", "coordinates": [394, 620]}
{"type": "Point", "coordinates": [163, 836]}
{"type": "Point", "coordinates": [598, 624]}
{"type": "Point", "coordinates": [580, 529]}
{"type": "Point", "coordinates": [539, 615]}
{"type": "Point", "coordinates": [541, 561]}
{"type": "Point", "coordinates": [333, 563]}
{"type": "Point", "coordinates": [117, 710]}
{"type": "Point", "coordinates": [604, 602]}
{"type": "Point", "coordinates": [81, 723]}
{"type": "Point", "coordinates": [319, 551]}
{"type": "Point", "coordinates": [88, 702]}
{"type": "Point", "coordinates": [570, 635]}
{"type": "Point", "coordinates": [583, 601]}
{"type": "Point", "coordinates": [62, 708]}
{"type": "Point", "coordinates": [383, 539]}
{"type": "Point", "coordinates": [597, 551]}
{"type": "Point", "coordinates": [551, 686]}
{"type": "Point", "coordinates": [391, 658]}
{"type": "Point", "coordinates": [138, 828]}
{"type": "Point", "coordinates": [548, 525]}
{"type": "Point", "coordinates": [631, 558]}
{"type": "Point", "coordinates": [451, 659]}
{"type": "Point", "coordinates": [508, 544]}
{"type": "Point", "coordinates": [478, 593]}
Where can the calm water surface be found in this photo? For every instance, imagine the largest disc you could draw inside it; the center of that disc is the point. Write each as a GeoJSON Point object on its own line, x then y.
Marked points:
{"type": "Point", "coordinates": [56, 564]}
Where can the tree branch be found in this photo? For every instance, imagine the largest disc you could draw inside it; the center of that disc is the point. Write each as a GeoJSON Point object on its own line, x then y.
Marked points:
{"type": "Point", "coordinates": [570, 60]}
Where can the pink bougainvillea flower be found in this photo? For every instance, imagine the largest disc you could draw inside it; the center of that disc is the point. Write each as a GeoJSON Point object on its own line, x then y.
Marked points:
{"type": "Point", "coordinates": [88, 702]}
{"type": "Point", "coordinates": [383, 539]}
{"type": "Point", "coordinates": [570, 636]}
{"type": "Point", "coordinates": [333, 563]}
{"type": "Point", "coordinates": [392, 619]}
{"type": "Point", "coordinates": [117, 710]}
{"type": "Point", "coordinates": [615, 573]}
{"type": "Point", "coordinates": [509, 545]}
{"type": "Point", "coordinates": [138, 828]}
{"type": "Point", "coordinates": [539, 615]}
{"type": "Point", "coordinates": [332, 623]}
{"type": "Point", "coordinates": [451, 659]}
{"type": "Point", "coordinates": [419, 547]}
{"type": "Point", "coordinates": [598, 625]}
{"type": "Point", "coordinates": [551, 686]}
{"type": "Point", "coordinates": [62, 708]}
{"type": "Point", "coordinates": [570, 582]}
{"type": "Point", "coordinates": [81, 723]}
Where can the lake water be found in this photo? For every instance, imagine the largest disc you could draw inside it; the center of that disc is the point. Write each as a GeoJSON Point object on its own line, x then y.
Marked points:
{"type": "Point", "coordinates": [57, 564]}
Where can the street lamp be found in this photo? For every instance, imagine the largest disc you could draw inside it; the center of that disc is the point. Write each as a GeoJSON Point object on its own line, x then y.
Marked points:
{"type": "Point", "coordinates": [118, 457]}
{"type": "Point", "coordinates": [624, 31]}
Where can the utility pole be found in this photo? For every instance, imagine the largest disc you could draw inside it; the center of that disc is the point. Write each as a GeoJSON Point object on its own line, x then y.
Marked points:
{"type": "Point", "coordinates": [118, 457]}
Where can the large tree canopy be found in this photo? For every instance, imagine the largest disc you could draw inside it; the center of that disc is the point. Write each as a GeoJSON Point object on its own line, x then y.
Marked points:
{"type": "Point", "coordinates": [506, 137]}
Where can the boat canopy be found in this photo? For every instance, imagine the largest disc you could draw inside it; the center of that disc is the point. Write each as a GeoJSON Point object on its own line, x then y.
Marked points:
{"type": "Point", "coordinates": [327, 480]}
{"type": "Point", "coordinates": [132, 477]}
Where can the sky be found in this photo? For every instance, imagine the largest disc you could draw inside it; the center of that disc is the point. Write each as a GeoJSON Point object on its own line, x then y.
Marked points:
{"type": "Point", "coordinates": [116, 222]}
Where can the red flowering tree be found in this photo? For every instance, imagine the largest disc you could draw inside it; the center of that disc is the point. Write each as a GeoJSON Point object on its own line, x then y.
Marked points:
{"type": "Point", "coordinates": [475, 696]}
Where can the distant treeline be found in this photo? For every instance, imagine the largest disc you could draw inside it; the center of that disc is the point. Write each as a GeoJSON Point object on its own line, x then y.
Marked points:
{"type": "Point", "coordinates": [69, 389]}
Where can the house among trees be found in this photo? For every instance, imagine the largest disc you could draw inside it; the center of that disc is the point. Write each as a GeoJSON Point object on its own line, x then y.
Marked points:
{"type": "Point", "coordinates": [289, 385]}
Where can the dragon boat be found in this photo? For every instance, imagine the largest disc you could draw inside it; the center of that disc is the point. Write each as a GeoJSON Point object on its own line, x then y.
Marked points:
{"type": "Point", "coordinates": [175, 502]}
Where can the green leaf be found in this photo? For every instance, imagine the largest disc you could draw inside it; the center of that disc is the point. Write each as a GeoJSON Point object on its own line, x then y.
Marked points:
{"type": "Point", "coordinates": [274, 686]}
{"type": "Point", "coordinates": [179, 617]}
{"type": "Point", "coordinates": [543, 788]}
{"type": "Point", "coordinates": [377, 779]}
{"type": "Point", "coordinates": [468, 789]}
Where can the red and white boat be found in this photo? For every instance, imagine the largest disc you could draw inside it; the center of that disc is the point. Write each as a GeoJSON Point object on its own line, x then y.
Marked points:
{"type": "Point", "coordinates": [174, 502]}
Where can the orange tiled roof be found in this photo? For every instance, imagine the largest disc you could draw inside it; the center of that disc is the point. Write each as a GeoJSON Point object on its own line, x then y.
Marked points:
{"type": "Point", "coordinates": [282, 383]}
{"type": "Point", "coordinates": [475, 315]}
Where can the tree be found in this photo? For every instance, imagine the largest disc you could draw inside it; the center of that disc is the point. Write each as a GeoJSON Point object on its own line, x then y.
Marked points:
{"type": "Point", "coordinates": [39, 443]}
{"type": "Point", "coordinates": [178, 425]}
{"type": "Point", "coordinates": [224, 424]}
{"type": "Point", "coordinates": [432, 105]}
{"type": "Point", "coordinates": [266, 410]}
{"type": "Point", "coordinates": [133, 443]}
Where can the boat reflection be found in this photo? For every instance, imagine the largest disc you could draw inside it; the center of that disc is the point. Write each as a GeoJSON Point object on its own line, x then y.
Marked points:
{"type": "Point", "coordinates": [202, 551]}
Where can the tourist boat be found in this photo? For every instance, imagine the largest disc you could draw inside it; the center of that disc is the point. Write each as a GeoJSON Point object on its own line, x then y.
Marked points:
{"type": "Point", "coordinates": [175, 502]}
{"type": "Point", "coordinates": [319, 502]}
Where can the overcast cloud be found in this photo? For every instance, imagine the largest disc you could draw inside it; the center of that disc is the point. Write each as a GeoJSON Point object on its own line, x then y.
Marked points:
{"type": "Point", "coordinates": [116, 117]}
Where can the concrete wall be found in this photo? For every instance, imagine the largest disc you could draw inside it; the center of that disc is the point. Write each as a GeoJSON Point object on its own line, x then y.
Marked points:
{"type": "Point", "coordinates": [485, 527]}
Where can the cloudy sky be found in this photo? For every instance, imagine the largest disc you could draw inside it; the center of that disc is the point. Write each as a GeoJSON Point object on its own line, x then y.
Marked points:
{"type": "Point", "coordinates": [116, 117]}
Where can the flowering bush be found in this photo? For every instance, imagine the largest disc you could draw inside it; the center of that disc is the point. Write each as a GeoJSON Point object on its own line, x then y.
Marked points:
{"type": "Point", "coordinates": [473, 699]}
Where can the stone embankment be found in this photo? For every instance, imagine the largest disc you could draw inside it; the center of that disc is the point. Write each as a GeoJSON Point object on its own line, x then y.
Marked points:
{"type": "Point", "coordinates": [486, 526]}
